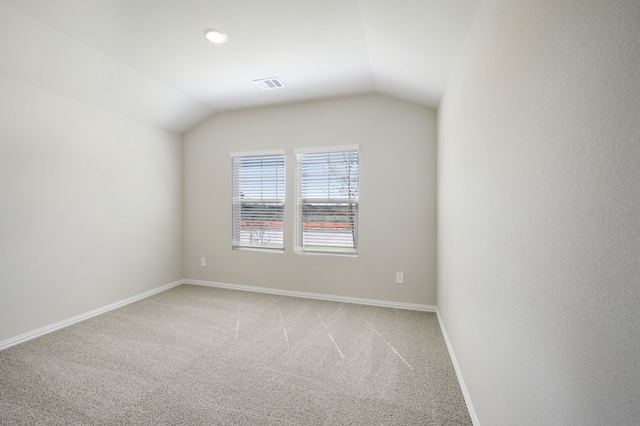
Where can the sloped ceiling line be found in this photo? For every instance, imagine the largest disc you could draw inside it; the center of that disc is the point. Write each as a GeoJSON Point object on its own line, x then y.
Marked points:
{"type": "Point", "coordinates": [148, 59]}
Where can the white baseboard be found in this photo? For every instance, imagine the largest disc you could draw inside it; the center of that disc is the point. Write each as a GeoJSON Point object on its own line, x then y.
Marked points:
{"type": "Point", "coordinates": [319, 296]}
{"type": "Point", "coordinates": [456, 366]}
{"type": "Point", "coordinates": [65, 323]}
{"type": "Point", "coordinates": [373, 302]}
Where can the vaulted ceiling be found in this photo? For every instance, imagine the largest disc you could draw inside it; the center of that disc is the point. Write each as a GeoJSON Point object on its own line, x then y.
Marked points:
{"type": "Point", "coordinates": [148, 59]}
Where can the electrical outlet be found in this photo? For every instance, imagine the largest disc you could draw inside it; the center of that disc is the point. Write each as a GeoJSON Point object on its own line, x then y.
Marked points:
{"type": "Point", "coordinates": [203, 261]}
{"type": "Point", "coordinates": [400, 277]}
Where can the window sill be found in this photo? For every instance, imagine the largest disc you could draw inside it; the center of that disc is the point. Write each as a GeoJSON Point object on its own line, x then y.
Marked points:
{"type": "Point", "coordinates": [258, 249]}
{"type": "Point", "coordinates": [318, 253]}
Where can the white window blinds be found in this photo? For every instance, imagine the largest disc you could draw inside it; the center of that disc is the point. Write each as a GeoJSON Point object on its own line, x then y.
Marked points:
{"type": "Point", "coordinates": [327, 183]}
{"type": "Point", "coordinates": [258, 200]}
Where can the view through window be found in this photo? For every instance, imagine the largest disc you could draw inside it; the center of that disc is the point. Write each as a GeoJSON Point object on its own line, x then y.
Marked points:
{"type": "Point", "coordinates": [258, 187]}
{"type": "Point", "coordinates": [327, 183]}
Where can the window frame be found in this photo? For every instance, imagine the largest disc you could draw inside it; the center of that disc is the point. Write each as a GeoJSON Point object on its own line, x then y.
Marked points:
{"type": "Point", "coordinates": [312, 154]}
{"type": "Point", "coordinates": [238, 200]}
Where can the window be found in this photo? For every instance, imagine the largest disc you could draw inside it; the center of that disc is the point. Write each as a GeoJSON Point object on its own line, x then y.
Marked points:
{"type": "Point", "coordinates": [327, 200]}
{"type": "Point", "coordinates": [258, 200]}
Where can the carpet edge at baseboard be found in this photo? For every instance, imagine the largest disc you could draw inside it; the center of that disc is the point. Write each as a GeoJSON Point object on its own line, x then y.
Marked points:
{"type": "Point", "coordinates": [69, 321]}
{"type": "Point", "coordinates": [12, 341]}
{"type": "Point", "coordinates": [317, 296]}
{"type": "Point", "coordinates": [456, 367]}
{"type": "Point", "coordinates": [373, 302]}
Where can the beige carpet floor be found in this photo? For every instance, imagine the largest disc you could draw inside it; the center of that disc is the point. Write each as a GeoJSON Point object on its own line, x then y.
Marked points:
{"type": "Point", "coordinates": [206, 356]}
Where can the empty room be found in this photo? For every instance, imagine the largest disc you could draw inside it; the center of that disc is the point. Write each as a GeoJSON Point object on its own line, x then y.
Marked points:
{"type": "Point", "coordinates": [421, 212]}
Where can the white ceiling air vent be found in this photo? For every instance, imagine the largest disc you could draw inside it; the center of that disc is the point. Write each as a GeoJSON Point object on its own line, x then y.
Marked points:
{"type": "Point", "coordinates": [269, 83]}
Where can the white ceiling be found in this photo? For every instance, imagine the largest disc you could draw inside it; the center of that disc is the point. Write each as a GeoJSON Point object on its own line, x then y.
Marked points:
{"type": "Point", "coordinates": [148, 59]}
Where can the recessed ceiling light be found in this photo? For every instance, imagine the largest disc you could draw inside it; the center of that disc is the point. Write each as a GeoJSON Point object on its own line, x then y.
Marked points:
{"type": "Point", "coordinates": [215, 36]}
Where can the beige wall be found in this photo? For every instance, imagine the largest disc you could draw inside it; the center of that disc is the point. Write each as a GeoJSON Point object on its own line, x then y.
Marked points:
{"type": "Point", "coordinates": [397, 198]}
{"type": "Point", "coordinates": [90, 208]}
{"type": "Point", "coordinates": [539, 212]}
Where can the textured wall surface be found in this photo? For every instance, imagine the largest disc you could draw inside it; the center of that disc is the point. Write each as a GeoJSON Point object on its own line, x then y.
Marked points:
{"type": "Point", "coordinates": [539, 212]}
{"type": "Point", "coordinates": [397, 228]}
{"type": "Point", "coordinates": [90, 208]}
